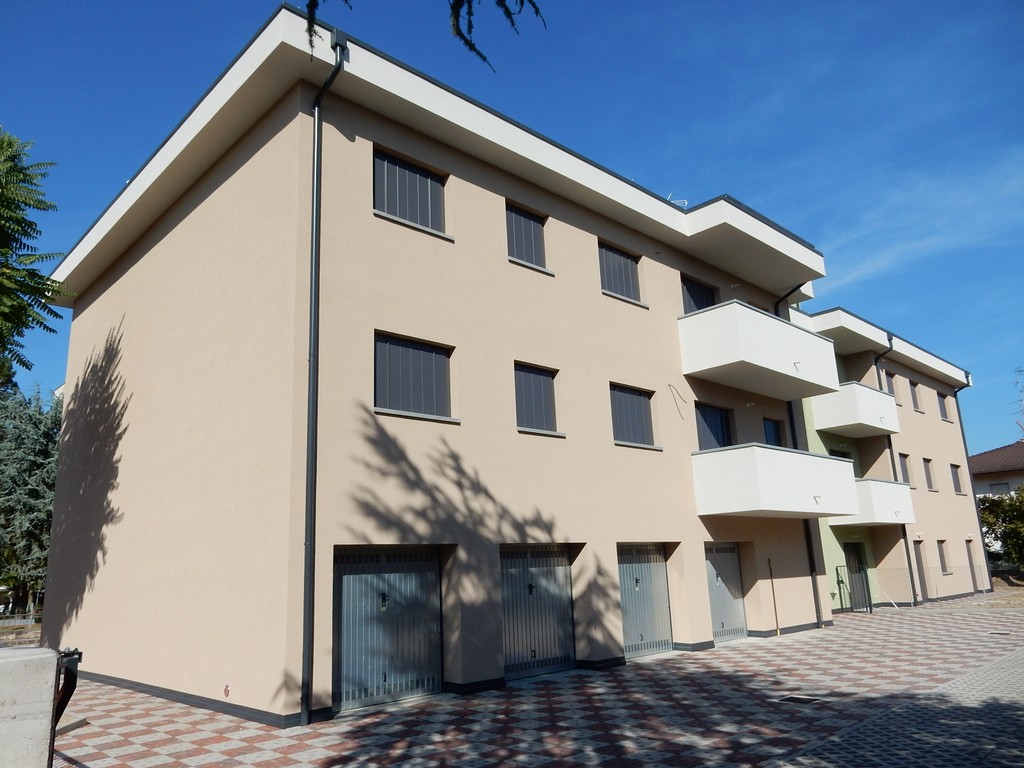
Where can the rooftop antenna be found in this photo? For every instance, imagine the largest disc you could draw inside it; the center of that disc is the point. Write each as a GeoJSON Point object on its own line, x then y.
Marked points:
{"type": "Point", "coordinates": [681, 203]}
{"type": "Point", "coordinates": [1020, 399]}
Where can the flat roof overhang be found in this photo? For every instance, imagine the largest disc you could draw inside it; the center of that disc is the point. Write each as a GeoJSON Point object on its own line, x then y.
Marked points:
{"type": "Point", "coordinates": [721, 232]}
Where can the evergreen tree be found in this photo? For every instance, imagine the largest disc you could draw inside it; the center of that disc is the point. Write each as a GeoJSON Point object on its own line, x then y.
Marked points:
{"type": "Point", "coordinates": [24, 291]}
{"type": "Point", "coordinates": [29, 435]}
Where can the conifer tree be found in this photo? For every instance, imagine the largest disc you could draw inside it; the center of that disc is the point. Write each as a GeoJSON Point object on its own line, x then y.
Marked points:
{"type": "Point", "coordinates": [29, 435]}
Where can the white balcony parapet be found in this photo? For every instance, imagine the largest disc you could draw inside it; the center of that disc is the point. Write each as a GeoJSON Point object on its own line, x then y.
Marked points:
{"type": "Point", "coordinates": [881, 502]}
{"type": "Point", "coordinates": [746, 348]}
{"type": "Point", "coordinates": [856, 411]}
{"type": "Point", "coordinates": [756, 480]}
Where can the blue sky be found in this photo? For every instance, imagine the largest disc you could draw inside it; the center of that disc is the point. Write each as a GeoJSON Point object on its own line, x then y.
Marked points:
{"type": "Point", "coordinates": [889, 134]}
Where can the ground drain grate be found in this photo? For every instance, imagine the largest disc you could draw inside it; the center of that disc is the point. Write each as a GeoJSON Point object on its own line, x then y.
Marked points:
{"type": "Point", "coordinates": [799, 699]}
{"type": "Point", "coordinates": [997, 632]}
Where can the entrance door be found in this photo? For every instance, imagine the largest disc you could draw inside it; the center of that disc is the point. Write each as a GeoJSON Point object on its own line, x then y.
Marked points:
{"type": "Point", "coordinates": [387, 624]}
{"type": "Point", "coordinates": [728, 619]}
{"type": "Point", "coordinates": [854, 582]}
{"type": "Point", "coordinates": [536, 595]}
{"type": "Point", "coordinates": [643, 584]}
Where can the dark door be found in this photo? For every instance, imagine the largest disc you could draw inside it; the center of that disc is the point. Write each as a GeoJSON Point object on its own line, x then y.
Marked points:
{"type": "Point", "coordinates": [919, 557]}
{"type": "Point", "coordinates": [853, 579]}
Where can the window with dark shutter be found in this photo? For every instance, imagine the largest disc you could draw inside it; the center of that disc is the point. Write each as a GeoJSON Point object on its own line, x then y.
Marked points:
{"type": "Point", "coordinates": [408, 192]}
{"type": "Point", "coordinates": [620, 274]}
{"type": "Point", "coordinates": [411, 376]}
{"type": "Point", "coordinates": [631, 416]}
{"type": "Point", "coordinates": [535, 398]}
{"type": "Point", "coordinates": [525, 236]}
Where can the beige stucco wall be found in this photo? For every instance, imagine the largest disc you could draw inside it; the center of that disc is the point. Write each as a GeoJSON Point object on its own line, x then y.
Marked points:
{"type": "Point", "coordinates": [177, 546]}
{"type": "Point", "coordinates": [941, 514]}
{"type": "Point", "coordinates": [200, 587]}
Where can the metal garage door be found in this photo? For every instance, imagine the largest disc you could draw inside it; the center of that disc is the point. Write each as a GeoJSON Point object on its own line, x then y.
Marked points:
{"type": "Point", "coordinates": [643, 584]}
{"type": "Point", "coordinates": [728, 619]}
{"type": "Point", "coordinates": [387, 624]}
{"type": "Point", "coordinates": [536, 593]}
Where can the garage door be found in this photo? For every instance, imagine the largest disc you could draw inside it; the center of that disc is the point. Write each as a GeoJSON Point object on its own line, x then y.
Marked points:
{"type": "Point", "coordinates": [387, 624]}
{"type": "Point", "coordinates": [536, 593]}
{"type": "Point", "coordinates": [725, 587]}
{"type": "Point", "coordinates": [643, 583]}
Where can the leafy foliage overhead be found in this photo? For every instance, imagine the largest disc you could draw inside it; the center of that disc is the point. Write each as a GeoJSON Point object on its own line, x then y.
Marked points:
{"type": "Point", "coordinates": [24, 291]}
{"type": "Point", "coordinates": [461, 14]}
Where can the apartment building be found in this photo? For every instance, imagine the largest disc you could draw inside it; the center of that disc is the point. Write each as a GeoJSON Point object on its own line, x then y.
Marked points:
{"type": "Point", "coordinates": [374, 393]}
{"type": "Point", "coordinates": [896, 416]}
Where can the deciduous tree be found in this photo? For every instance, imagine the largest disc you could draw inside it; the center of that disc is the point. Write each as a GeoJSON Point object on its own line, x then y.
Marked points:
{"type": "Point", "coordinates": [24, 290]}
{"type": "Point", "coordinates": [1002, 520]}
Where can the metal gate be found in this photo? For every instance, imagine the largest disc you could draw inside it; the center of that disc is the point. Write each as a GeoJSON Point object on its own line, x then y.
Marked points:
{"type": "Point", "coordinates": [852, 580]}
{"type": "Point", "coordinates": [536, 594]}
{"type": "Point", "coordinates": [387, 624]}
{"type": "Point", "coordinates": [725, 587]}
{"type": "Point", "coordinates": [643, 584]}
{"type": "Point", "coordinates": [852, 585]}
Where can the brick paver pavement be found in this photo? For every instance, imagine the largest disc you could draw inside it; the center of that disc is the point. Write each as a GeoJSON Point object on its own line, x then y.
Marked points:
{"type": "Point", "coordinates": [902, 687]}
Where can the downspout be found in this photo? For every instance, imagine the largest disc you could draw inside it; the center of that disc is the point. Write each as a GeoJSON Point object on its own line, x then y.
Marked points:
{"type": "Point", "coordinates": [313, 392]}
{"type": "Point", "coordinates": [895, 472]}
{"type": "Point", "coordinates": [808, 531]}
{"type": "Point", "coordinates": [970, 478]}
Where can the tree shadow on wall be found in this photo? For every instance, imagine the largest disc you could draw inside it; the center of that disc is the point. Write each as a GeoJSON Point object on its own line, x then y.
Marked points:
{"type": "Point", "coordinates": [442, 500]}
{"type": "Point", "coordinates": [93, 426]}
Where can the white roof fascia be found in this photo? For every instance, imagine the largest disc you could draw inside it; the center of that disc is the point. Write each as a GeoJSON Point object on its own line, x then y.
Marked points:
{"type": "Point", "coordinates": [182, 149]}
{"type": "Point", "coordinates": [876, 339]}
{"type": "Point", "coordinates": [279, 56]}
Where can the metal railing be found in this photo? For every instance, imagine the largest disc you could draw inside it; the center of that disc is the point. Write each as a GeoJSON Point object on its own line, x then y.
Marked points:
{"type": "Point", "coordinates": [18, 629]}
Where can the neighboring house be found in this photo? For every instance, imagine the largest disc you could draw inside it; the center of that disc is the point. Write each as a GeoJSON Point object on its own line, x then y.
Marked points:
{"type": "Point", "coordinates": [553, 420]}
{"type": "Point", "coordinates": [897, 418]}
{"type": "Point", "coordinates": [1000, 470]}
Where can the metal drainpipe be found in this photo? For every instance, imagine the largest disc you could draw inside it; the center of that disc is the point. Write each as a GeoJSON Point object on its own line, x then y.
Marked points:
{"type": "Point", "coordinates": [313, 392]}
{"type": "Point", "coordinates": [895, 472]}
{"type": "Point", "coordinates": [812, 561]}
{"type": "Point", "coordinates": [970, 479]}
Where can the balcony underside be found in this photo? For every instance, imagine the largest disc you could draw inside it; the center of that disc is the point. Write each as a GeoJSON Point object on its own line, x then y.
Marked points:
{"type": "Point", "coordinates": [765, 481]}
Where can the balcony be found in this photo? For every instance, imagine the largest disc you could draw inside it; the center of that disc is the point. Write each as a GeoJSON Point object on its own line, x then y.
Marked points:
{"type": "Point", "coordinates": [764, 481]}
{"type": "Point", "coordinates": [881, 502]}
{"type": "Point", "coordinates": [856, 411]}
{"type": "Point", "coordinates": [742, 347]}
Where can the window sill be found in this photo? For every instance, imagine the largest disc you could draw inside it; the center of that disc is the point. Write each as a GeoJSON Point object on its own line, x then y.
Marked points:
{"type": "Point", "coordinates": [947, 573]}
{"type": "Point", "coordinates": [413, 225]}
{"type": "Point", "coordinates": [540, 432]}
{"type": "Point", "coordinates": [529, 265]}
{"type": "Point", "coordinates": [918, 410]}
{"type": "Point", "coordinates": [626, 299]}
{"type": "Point", "coordinates": [641, 446]}
{"type": "Point", "coordinates": [417, 416]}
{"type": "Point", "coordinates": [961, 493]}
{"type": "Point", "coordinates": [933, 490]}
{"type": "Point", "coordinates": [948, 421]}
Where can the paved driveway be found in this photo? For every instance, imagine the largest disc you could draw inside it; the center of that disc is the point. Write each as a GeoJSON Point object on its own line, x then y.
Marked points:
{"type": "Point", "coordinates": [912, 687]}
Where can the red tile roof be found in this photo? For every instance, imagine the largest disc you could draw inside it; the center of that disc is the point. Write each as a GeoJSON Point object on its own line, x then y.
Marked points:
{"type": "Point", "coordinates": [1004, 459]}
